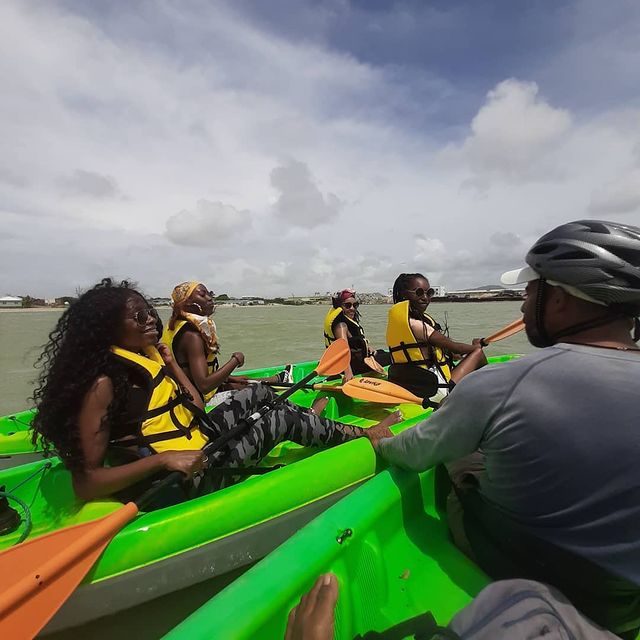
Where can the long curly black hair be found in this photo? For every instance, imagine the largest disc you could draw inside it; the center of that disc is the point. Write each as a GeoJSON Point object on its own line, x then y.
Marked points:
{"type": "Point", "coordinates": [78, 352]}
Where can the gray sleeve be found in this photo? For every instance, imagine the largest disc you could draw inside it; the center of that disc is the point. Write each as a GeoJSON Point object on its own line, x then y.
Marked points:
{"type": "Point", "coordinates": [457, 428]}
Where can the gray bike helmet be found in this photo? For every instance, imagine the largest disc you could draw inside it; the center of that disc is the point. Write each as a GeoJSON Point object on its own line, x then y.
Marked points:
{"type": "Point", "coordinates": [600, 260]}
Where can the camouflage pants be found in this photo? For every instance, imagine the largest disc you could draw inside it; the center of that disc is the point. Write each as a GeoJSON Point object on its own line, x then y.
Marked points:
{"type": "Point", "coordinates": [286, 422]}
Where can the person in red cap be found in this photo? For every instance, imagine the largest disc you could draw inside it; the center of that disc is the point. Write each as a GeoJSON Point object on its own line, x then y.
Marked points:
{"type": "Point", "coordinates": [343, 321]}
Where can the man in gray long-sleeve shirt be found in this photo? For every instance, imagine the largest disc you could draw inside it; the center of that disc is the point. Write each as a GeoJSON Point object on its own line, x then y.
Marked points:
{"type": "Point", "coordinates": [558, 429]}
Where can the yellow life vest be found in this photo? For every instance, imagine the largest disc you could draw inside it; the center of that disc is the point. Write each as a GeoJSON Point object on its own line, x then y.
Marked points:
{"type": "Point", "coordinates": [169, 336]}
{"type": "Point", "coordinates": [168, 424]}
{"type": "Point", "coordinates": [403, 346]}
{"type": "Point", "coordinates": [356, 340]}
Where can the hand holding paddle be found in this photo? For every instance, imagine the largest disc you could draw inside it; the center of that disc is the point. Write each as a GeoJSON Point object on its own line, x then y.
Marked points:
{"type": "Point", "coordinates": [37, 576]}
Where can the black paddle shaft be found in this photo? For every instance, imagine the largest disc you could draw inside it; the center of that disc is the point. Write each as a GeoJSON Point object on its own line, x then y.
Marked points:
{"type": "Point", "coordinates": [245, 423]}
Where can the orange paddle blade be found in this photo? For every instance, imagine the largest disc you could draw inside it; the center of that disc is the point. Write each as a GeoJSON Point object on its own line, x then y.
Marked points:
{"type": "Point", "coordinates": [505, 332]}
{"type": "Point", "coordinates": [335, 359]}
{"type": "Point", "coordinates": [373, 364]}
{"type": "Point", "coordinates": [36, 577]}
{"type": "Point", "coordinates": [376, 390]}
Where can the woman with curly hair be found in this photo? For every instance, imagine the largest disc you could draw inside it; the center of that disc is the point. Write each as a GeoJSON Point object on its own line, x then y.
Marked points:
{"type": "Point", "coordinates": [192, 336]}
{"type": "Point", "coordinates": [416, 339]}
{"type": "Point", "coordinates": [107, 383]}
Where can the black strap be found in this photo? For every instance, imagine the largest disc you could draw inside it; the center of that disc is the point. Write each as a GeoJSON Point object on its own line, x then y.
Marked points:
{"type": "Point", "coordinates": [405, 346]}
{"type": "Point", "coordinates": [158, 411]}
{"type": "Point", "coordinates": [160, 437]}
{"type": "Point", "coordinates": [588, 324]}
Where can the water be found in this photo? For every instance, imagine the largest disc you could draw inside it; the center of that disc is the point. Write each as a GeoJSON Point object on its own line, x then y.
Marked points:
{"type": "Point", "coordinates": [266, 336]}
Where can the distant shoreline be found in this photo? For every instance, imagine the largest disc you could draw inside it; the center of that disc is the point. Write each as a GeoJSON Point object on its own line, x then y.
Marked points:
{"type": "Point", "coordinates": [270, 304]}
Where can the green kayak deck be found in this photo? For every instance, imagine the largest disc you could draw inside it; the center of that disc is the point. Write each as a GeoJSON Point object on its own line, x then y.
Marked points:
{"type": "Point", "coordinates": [389, 547]}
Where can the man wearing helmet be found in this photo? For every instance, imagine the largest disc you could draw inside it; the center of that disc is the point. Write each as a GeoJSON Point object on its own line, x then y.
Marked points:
{"type": "Point", "coordinates": [558, 496]}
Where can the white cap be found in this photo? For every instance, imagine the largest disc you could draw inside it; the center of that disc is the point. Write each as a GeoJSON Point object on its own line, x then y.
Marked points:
{"type": "Point", "coordinates": [526, 274]}
{"type": "Point", "coordinates": [519, 276]}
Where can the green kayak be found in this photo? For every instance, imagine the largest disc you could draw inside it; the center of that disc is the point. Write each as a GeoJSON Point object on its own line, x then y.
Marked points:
{"type": "Point", "coordinates": [170, 549]}
{"type": "Point", "coordinates": [388, 545]}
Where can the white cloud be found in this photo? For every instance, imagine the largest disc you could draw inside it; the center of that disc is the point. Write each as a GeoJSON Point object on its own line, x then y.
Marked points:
{"type": "Point", "coordinates": [619, 196]}
{"type": "Point", "coordinates": [512, 136]}
{"type": "Point", "coordinates": [91, 184]}
{"type": "Point", "coordinates": [209, 224]}
{"type": "Point", "coordinates": [431, 253]}
{"type": "Point", "coordinates": [301, 203]}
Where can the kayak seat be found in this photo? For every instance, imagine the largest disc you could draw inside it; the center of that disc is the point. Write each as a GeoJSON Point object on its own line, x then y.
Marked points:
{"type": "Point", "coordinates": [421, 382]}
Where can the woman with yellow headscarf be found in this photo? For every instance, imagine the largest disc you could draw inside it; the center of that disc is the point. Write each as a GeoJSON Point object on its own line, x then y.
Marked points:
{"type": "Point", "coordinates": [192, 337]}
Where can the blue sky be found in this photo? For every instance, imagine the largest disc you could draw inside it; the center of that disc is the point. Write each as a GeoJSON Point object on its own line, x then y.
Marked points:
{"type": "Point", "coordinates": [291, 146]}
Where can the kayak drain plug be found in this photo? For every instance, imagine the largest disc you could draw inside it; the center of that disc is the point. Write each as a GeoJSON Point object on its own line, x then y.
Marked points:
{"type": "Point", "coordinates": [347, 533]}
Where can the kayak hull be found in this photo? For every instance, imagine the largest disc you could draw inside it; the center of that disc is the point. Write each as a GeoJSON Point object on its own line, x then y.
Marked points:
{"type": "Point", "coordinates": [388, 546]}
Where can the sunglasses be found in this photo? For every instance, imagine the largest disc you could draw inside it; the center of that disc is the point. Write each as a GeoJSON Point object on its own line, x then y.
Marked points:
{"type": "Point", "coordinates": [419, 292]}
{"type": "Point", "coordinates": [142, 317]}
{"type": "Point", "coordinates": [348, 305]}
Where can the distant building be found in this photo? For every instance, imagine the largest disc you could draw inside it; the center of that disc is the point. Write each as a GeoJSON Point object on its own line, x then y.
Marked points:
{"type": "Point", "coordinates": [240, 302]}
{"type": "Point", "coordinates": [10, 302]}
{"type": "Point", "coordinates": [486, 294]}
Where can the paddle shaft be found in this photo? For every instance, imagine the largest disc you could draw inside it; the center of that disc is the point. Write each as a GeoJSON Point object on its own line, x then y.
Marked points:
{"type": "Point", "coordinates": [247, 422]}
{"type": "Point", "coordinates": [315, 387]}
{"type": "Point", "coordinates": [507, 331]}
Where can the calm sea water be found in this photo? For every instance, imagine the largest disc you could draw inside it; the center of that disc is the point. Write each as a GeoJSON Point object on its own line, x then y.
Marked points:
{"type": "Point", "coordinates": [266, 336]}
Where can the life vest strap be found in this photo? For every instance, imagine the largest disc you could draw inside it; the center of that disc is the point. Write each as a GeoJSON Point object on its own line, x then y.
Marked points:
{"type": "Point", "coordinates": [161, 437]}
{"type": "Point", "coordinates": [405, 346]}
{"type": "Point", "coordinates": [158, 411]}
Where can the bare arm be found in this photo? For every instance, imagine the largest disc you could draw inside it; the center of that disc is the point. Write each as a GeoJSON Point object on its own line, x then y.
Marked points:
{"type": "Point", "coordinates": [98, 481]}
{"type": "Point", "coordinates": [440, 340]}
{"type": "Point", "coordinates": [437, 339]}
{"type": "Point", "coordinates": [341, 331]}
{"type": "Point", "coordinates": [192, 344]}
{"type": "Point", "coordinates": [179, 375]}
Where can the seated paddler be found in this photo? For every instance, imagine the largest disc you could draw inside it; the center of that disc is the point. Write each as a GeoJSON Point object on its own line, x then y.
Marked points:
{"type": "Point", "coordinates": [192, 336]}
{"type": "Point", "coordinates": [343, 321]}
{"type": "Point", "coordinates": [417, 343]}
{"type": "Point", "coordinates": [546, 447]}
{"type": "Point", "coordinates": [106, 384]}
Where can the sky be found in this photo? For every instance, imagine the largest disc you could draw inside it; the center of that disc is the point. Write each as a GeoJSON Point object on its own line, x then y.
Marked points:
{"type": "Point", "coordinates": [297, 146]}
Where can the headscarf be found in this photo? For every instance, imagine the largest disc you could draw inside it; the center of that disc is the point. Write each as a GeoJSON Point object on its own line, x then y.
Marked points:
{"type": "Point", "coordinates": [345, 294]}
{"type": "Point", "coordinates": [204, 324]}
